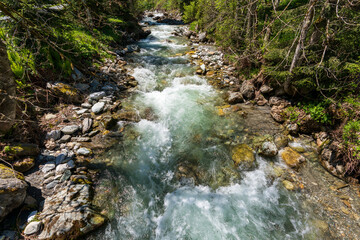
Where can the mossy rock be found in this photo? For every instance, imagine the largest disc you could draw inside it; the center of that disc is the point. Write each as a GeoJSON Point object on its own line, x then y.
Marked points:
{"type": "Point", "coordinates": [243, 157]}
{"type": "Point", "coordinates": [66, 92]}
{"type": "Point", "coordinates": [24, 165]}
{"type": "Point", "coordinates": [6, 172]}
{"type": "Point", "coordinates": [292, 158]}
{"type": "Point", "coordinates": [22, 149]}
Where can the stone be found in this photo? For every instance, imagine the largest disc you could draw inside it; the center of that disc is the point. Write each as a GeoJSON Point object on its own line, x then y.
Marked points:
{"type": "Point", "coordinates": [52, 184]}
{"type": "Point", "coordinates": [65, 139]}
{"type": "Point", "coordinates": [68, 130]}
{"type": "Point", "coordinates": [247, 90]}
{"type": "Point", "coordinates": [86, 125]}
{"type": "Point", "coordinates": [60, 158]}
{"type": "Point", "coordinates": [203, 68]}
{"type": "Point", "coordinates": [50, 116]}
{"type": "Point", "coordinates": [235, 97]}
{"type": "Point", "coordinates": [80, 139]}
{"type": "Point", "coordinates": [65, 176]}
{"type": "Point", "coordinates": [94, 133]}
{"type": "Point", "coordinates": [293, 128]}
{"type": "Point", "coordinates": [98, 107]}
{"type": "Point", "coordinates": [281, 141]}
{"type": "Point", "coordinates": [83, 152]}
{"type": "Point", "coordinates": [265, 89]}
{"type": "Point", "coordinates": [22, 150]}
{"type": "Point", "coordinates": [54, 134]}
{"type": "Point", "coordinates": [86, 105]}
{"type": "Point", "coordinates": [97, 96]}
{"type": "Point", "coordinates": [82, 111]}
{"type": "Point", "coordinates": [32, 216]}
{"type": "Point", "coordinates": [24, 165]}
{"type": "Point", "coordinates": [48, 167]}
{"type": "Point", "coordinates": [12, 190]}
{"type": "Point", "coordinates": [83, 87]}
{"type": "Point", "coordinates": [276, 113]}
{"type": "Point", "coordinates": [288, 185]}
{"type": "Point", "coordinates": [202, 37]}
{"type": "Point", "coordinates": [291, 157]}
{"type": "Point", "coordinates": [243, 156]}
{"type": "Point", "coordinates": [32, 228]}
{"type": "Point", "coordinates": [65, 91]}
{"type": "Point", "coordinates": [268, 149]}
{"type": "Point", "coordinates": [67, 214]}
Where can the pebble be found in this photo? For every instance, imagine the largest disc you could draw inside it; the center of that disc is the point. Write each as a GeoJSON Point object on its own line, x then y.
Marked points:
{"type": "Point", "coordinates": [80, 139]}
{"type": "Point", "coordinates": [83, 152]}
{"type": "Point", "coordinates": [32, 228]}
{"type": "Point", "coordinates": [54, 134]}
{"type": "Point", "coordinates": [48, 167]}
{"type": "Point", "coordinates": [50, 116]}
{"type": "Point", "coordinates": [52, 184]}
{"type": "Point", "coordinates": [98, 107]}
{"type": "Point", "coordinates": [87, 124]}
{"type": "Point", "coordinates": [86, 105]}
{"type": "Point", "coordinates": [65, 139]}
{"type": "Point", "coordinates": [93, 133]}
{"type": "Point", "coordinates": [97, 95]}
{"type": "Point", "coordinates": [82, 111]}
{"type": "Point", "coordinates": [60, 158]}
{"type": "Point", "coordinates": [68, 130]}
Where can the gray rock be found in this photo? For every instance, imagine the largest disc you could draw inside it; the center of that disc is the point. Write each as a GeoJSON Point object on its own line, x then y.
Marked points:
{"type": "Point", "coordinates": [67, 213]}
{"type": "Point", "coordinates": [86, 105]}
{"type": "Point", "coordinates": [80, 139]}
{"type": "Point", "coordinates": [68, 130]}
{"type": "Point", "coordinates": [203, 67]}
{"type": "Point", "coordinates": [32, 228]}
{"type": "Point", "coordinates": [202, 37]}
{"type": "Point", "coordinates": [65, 139]}
{"type": "Point", "coordinates": [65, 176]}
{"type": "Point", "coordinates": [235, 97]}
{"type": "Point", "coordinates": [48, 167]}
{"type": "Point", "coordinates": [86, 125]}
{"type": "Point", "coordinates": [268, 149]}
{"type": "Point", "coordinates": [83, 152]}
{"type": "Point", "coordinates": [293, 128]}
{"type": "Point", "coordinates": [265, 89]}
{"type": "Point", "coordinates": [98, 107]}
{"type": "Point", "coordinates": [12, 190]}
{"type": "Point", "coordinates": [60, 169]}
{"type": "Point", "coordinates": [49, 174]}
{"type": "Point", "coordinates": [52, 184]}
{"type": "Point", "coordinates": [54, 134]}
{"type": "Point", "coordinates": [82, 87]}
{"type": "Point", "coordinates": [32, 216]}
{"type": "Point", "coordinates": [93, 133]}
{"type": "Point", "coordinates": [60, 158]}
{"type": "Point", "coordinates": [97, 95]}
{"type": "Point", "coordinates": [247, 89]}
{"type": "Point", "coordinates": [82, 111]}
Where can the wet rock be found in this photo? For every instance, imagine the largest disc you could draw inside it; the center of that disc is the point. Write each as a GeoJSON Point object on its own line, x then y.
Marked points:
{"type": "Point", "coordinates": [32, 228]}
{"type": "Point", "coordinates": [98, 107]}
{"type": "Point", "coordinates": [243, 156]}
{"type": "Point", "coordinates": [281, 141]}
{"type": "Point", "coordinates": [12, 190]}
{"type": "Point", "coordinates": [293, 128]}
{"type": "Point", "coordinates": [67, 214]}
{"type": "Point", "coordinates": [22, 150]}
{"type": "Point", "coordinates": [268, 149]}
{"type": "Point", "coordinates": [83, 152]}
{"type": "Point", "coordinates": [292, 158]}
{"type": "Point", "coordinates": [24, 165]}
{"type": "Point", "coordinates": [288, 185]}
{"type": "Point", "coordinates": [247, 90]}
{"type": "Point", "coordinates": [54, 134]}
{"type": "Point", "coordinates": [68, 130]}
{"type": "Point", "coordinates": [235, 97]}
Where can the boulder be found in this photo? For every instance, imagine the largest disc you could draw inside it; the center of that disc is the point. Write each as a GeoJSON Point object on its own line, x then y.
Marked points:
{"type": "Point", "coordinates": [22, 149]}
{"type": "Point", "coordinates": [54, 134]}
{"type": "Point", "coordinates": [235, 97]}
{"type": "Point", "coordinates": [97, 96]}
{"type": "Point", "coordinates": [83, 152]}
{"type": "Point", "coordinates": [65, 91]}
{"type": "Point", "coordinates": [67, 214]}
{"type": "Point", "coordinates": [243, 156]}
{"type": "Point", "coordinates": [265, 89]}
{"type": "Point", "coordinates": [247, 90]}
{"type": "Point", "coordinates": [202, 37]}
{"type": "Point", "coordinates": [12, 190]}
{"type": "Point", "coordinates": [268, 149]}
{"type": "Point", "coordinates": [292, 158]}
{"type": "Point", "coordinates": [277, 113]}
{"type": "Point", "coordinates": [24, 165]}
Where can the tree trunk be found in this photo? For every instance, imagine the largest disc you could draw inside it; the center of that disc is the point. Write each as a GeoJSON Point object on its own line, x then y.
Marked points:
{"type": "Point", "coordinates": [7, 92]}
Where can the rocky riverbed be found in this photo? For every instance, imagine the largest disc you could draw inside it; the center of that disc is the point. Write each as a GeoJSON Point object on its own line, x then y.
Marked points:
{"type": "Point", "coordinates": [81, 178]}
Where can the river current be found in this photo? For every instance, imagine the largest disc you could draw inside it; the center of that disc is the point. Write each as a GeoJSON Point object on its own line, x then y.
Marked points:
{"type": "Point", "coordinates": [173, 174]}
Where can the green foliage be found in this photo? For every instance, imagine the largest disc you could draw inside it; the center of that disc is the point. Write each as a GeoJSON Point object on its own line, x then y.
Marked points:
{"type": "Point", "coordinates": [292, 113]}
{"type": "Point", "coordinates": [318, 112]}
{"type": "Point", "coordinates": [190, 12]}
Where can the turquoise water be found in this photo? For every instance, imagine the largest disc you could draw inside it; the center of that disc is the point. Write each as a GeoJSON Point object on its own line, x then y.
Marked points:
{"type": "Point", "coordinates": [173, 172]}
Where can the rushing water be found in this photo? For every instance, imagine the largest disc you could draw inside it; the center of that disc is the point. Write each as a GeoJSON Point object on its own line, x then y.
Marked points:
{"type": "Point", "coordinates": [213, 200]}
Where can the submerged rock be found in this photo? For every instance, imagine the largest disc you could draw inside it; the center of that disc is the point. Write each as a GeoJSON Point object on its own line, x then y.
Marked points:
{"type": "Point", "coordinates": [243, 156]}
{"type": "Point", "coordinates": [288, 185]}
{"type": "Point", "coordinates": [268, 149]}
{"type": "Point", "coordinates": [292, 158]}
{"type": "Point", "coordinates": [12, 190]}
